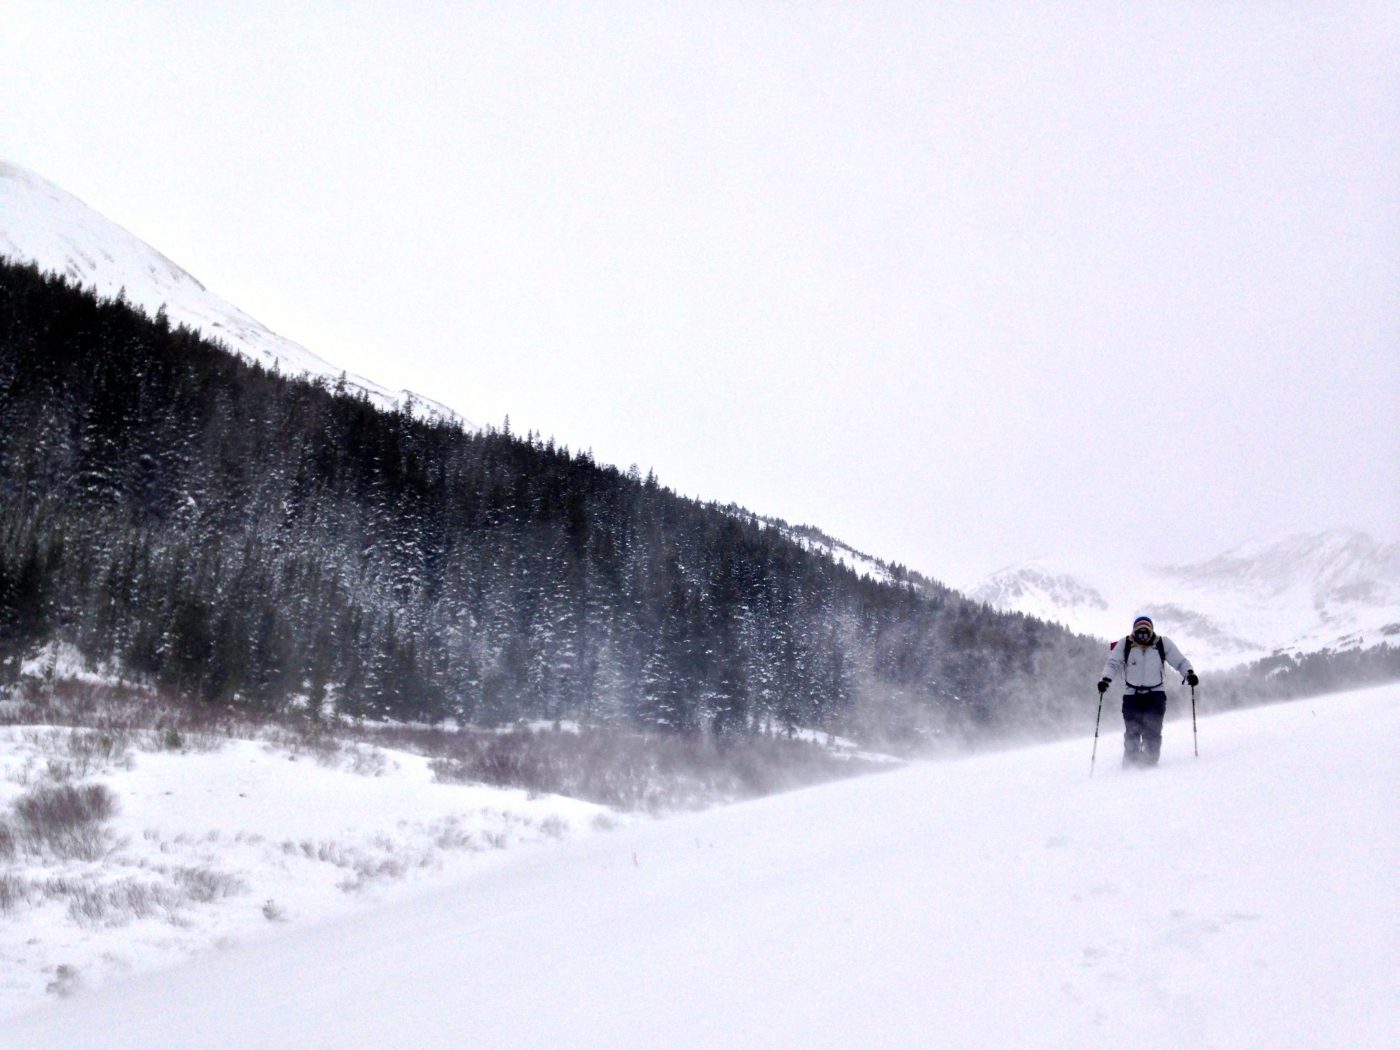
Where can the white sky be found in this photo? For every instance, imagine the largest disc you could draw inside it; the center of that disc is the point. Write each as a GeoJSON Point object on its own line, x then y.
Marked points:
{"type": "Point", "coordinates": [960, 283]}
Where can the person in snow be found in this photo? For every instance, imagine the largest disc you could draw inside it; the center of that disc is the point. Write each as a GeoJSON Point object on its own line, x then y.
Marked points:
{"type": "Point", "coordinates": [1143, 657]}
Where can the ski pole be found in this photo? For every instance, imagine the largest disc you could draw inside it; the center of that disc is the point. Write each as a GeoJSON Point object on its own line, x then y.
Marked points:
{"type": "Point", "coordinates": [1195, 742]}
{"type": "Point", "coordinates": [1095, 754]}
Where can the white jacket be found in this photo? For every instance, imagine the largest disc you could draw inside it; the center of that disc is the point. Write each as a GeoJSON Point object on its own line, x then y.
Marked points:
{"type": "Point", "coordinates": [1142, 664]}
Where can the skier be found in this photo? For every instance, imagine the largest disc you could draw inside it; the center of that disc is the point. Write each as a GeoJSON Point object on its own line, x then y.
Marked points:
{"type": "Point", "coordinates": [1143, 657]}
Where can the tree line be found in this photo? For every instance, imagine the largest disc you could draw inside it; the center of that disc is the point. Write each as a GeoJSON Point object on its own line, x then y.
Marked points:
{"type": "Point", "coordinates": [250, 538]}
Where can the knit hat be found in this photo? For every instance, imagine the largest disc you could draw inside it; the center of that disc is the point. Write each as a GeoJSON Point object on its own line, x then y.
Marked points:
{"type": "Point", "coordinates": [1143, 621]}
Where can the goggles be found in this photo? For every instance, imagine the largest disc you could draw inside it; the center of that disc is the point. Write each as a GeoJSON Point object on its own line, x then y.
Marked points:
{"type": "Point", "coordinates": [1143, 634]}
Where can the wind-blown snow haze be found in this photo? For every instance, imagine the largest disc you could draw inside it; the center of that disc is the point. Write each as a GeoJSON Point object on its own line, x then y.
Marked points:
{"type": "Point", "coordinates": [810, 347]}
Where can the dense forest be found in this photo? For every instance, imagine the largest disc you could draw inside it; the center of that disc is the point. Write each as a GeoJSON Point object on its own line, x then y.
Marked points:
{"type": "Point", "coordinates": [248, 538]}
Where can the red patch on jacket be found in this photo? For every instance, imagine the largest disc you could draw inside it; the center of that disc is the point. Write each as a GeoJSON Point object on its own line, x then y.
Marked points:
{"type": "Point", "coordinates": [1112, 646]}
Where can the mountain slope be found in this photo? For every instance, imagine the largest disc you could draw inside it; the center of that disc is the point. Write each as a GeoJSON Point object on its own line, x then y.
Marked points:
{"type": "Point", "coordinates": [1005, 900]}
{"type": "Point", "coordinates": [1337, 590]}
{"type": "Point", "coordinates": [43, 224]}
{"type": "Point", "coordinates": [333, 555]}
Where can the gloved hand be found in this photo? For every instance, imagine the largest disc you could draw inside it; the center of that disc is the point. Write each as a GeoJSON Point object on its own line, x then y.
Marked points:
{"type": "Point", "coordinates": [1103, 684]}
{"type": "Point", "coordinates": [1191, 678]}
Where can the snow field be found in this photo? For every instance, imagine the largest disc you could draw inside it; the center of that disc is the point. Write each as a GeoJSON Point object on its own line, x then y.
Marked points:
{"type": "Point", "coordinates": [1245, 899]}
{"type": "Point", "coordinates": [211, 848]}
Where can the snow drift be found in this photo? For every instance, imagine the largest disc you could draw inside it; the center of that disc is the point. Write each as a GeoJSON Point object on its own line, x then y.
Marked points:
{"type": "Point", "coordinates": [1245, 899]}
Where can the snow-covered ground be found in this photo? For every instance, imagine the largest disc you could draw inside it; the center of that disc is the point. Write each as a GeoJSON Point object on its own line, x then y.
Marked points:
{"type": "Point", "coordinates": [214, 847]}
{"type": "Point", "coordinates": [1242, 899]}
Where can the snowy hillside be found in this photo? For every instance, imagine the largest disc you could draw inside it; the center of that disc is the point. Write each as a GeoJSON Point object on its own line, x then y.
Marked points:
{"type": "Point", "coordinates": [1337, 590]}
{"type": "Point", "coordinates": [810, 538]}
{"type": "Point", "coordinates": [43, 224]}
{"type": "Point", "coordinates": [997, 901]}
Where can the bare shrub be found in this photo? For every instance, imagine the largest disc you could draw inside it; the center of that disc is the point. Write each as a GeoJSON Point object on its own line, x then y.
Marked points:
{"type": "Point", "coordinates": [378, 860]}
{"type": "Point", "coordinates": [451, 836]}
{"type": "Point", "coordinates": [127, 715]}
{"type": "Point", "coordinates": [273, 912]}
{"type": "Point", "coordinates": [68, 701]}
{"type": "Point", "coordinates": [75, 754]}
{"type": "Point", "coordinates": [65, 820]}
{"type": "Point", "coordinates": [203, 885]}
{"type": "Point", "coordinates": [65, 981]}
{"type": "Point", "coordinates": [93, 903]}
{"type": "Point", "coordinates": [185, 737]}
{"type": "Point", "coordinates": [96, 751]}
{"type": "Point", "coordinates": [65, 806]}
{"type": "Point", "coordinates": [14, 891]}
{"type": "Point", "coordinates": [367, 761]}
{"type": "Point", "coordinates": [639, 771]}
{"type": "Point", "coordinates": [306, 737]}
{"type": "Point", "coordinates": [27, 774]}
{"type": "Point", "coordinates": [365, 868]}
{"type": "Point", "coordinates": [7, 841]}
{"type": "Point", "coordinates": [555, 826]}
{"type": "Point", "coordinates": [58, 771]}
{"type": "Point", "coordinates": [118, 903]}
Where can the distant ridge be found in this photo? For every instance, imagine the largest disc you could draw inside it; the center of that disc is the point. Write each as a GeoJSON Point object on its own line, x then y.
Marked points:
{"type": "Point", "coordinates": [1334, 590]}
{"type": "Point", "coordinates": [42, 223]}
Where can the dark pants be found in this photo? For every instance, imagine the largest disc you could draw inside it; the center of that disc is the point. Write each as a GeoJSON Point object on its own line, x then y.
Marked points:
{"type": "Point", "coordinates": [1142, 720]}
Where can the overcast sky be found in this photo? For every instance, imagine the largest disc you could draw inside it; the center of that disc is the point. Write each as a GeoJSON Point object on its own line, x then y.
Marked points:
{"type": "Point", "coordinates": [962, 284]}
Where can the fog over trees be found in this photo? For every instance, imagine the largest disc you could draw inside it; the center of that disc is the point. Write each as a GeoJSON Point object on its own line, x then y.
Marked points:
{"type": "Point", "coordinates": [251, 539]}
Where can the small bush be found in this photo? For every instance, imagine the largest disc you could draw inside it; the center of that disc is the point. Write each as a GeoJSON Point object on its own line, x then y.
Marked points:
{"type": "Point", "coordinates": [14, 891]}
{"type": "Point", "coordinates": [64, 819]}
{"type": "Point", "coordinates": [308, 738]}
{"type": "Point", "coordinates": [7, 841]}
{"type": "Point", "coordinates": [97, 751]}
{"type": "Point", "coordinates": [65, 806]}
{"type": "Point", "coordinates": [555, 826]}
{"type": "Point", "coordinates": [65, 982]}
{"type": "Point", "coordinates": [639, 771]}
{"type": "Point", "coordinates": [203, 885]}
{"type": "Point", "coordinates": [58, 771]}
{"type": "Point", "coordinates": [367, 761]}
{"type": "Point", "coordinates": [117, 903]}
{"type": "Point", "coordinates": [451, 836]}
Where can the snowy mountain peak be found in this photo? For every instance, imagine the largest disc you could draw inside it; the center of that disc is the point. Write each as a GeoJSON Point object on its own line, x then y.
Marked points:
{"type": "Point", "coordinates": [1032, 587]}
{"type": "Point", "coordinates": [44, 224]}
{"type": "Point", "coordinates": [1338, 589]}
{"type": "Point", "coordinates": [1338, 565]}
